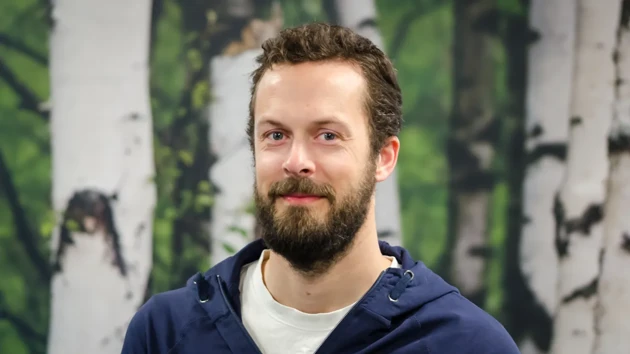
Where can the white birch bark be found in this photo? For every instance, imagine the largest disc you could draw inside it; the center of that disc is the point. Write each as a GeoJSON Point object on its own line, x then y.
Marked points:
{"type": "Point", "coordinates": [550, 72]}
{"type": "Point", "coordinates": [101, 128]}
{"type": "Point", "coordinates": [232, 226]}
{"type": "Point", "coordinates": [583, 191]}
{"type": "Point", "coordinates": [233, 221]}
{"type": "Point", "coordinates": [358, 16]}
{"type": "Point", "coordinates": [613, 327]}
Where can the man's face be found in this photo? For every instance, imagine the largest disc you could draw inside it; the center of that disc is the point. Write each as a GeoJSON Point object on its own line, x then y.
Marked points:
{"type": "Point", "coordinates": [315, 175]}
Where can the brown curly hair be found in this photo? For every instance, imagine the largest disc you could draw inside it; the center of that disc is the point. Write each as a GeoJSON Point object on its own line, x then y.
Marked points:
{"type": "Point", "coordinates": [315, 42]}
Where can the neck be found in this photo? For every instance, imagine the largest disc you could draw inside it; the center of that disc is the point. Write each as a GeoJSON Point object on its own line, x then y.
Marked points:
{"type": "Point", "coordinates": [344, 283]}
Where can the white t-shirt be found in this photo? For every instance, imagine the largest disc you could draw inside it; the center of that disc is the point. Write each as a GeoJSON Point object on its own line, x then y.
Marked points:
{"type": "Point", "coordinates": [277, 328]}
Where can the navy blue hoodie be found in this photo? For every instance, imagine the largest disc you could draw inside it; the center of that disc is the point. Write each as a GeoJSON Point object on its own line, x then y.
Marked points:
{"type": "Point", "coordinates": [407, 310]}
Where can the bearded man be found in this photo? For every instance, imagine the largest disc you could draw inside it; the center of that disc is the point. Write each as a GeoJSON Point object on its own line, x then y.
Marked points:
{"type": "Point", "coordinates": [325, 113]}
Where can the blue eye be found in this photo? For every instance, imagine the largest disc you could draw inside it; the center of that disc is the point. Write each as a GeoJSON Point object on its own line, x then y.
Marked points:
{"type": "Point", "coordinates": [277, 136]}
{"type": "Point", "coordinates": [329, 136]}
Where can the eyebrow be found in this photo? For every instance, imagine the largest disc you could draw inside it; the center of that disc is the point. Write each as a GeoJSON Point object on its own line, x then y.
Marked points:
{"type": "Point", "coordinates": [318, 122]}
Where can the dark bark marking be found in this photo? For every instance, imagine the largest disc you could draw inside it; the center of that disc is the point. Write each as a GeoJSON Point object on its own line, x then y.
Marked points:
{"type": "Point", "coordinates": [592, 215]}
{"type": "Point", "coordinates": [625, 241]}
{"type": "Point", "coordinates": [619, 143]}
{"type": "Point", "coordinates": [384, 234]}
{"type": "Point", "coordinates": [578, 333]}
{"type": "Point", "coordinates": [536, 131]}
{"type": "Point", "coordinates": [481, 251]}
{"type": "Point", "coordinates": [619, 82]}
{"type": "Point", "coordinates": [532, 36]}
{"type": "Point", "coordinates": [134, 116]}
{"type": "Point", "coordinates": [90, 211]}
{"type": "Point", "coordinates": [467, 175]}
{"type": "Point", "coordinates": [554, 150]}
{"type": "Point", "coordinates": [491, 132]}
{"type": "Point", "coordinates": [575, 120]}
{"type": "Point", "coordinates": [582, 225]}
{"type": "Point", "coordinates": [561, 239]}
{"type": "Point", "coordinates": [477, 297]}
{"type": "Point", "coordinates": [583, 292]}
{"type": "Point", "coordinates": [526, 219]}
{"type": "Point", "coordinates": [625, 14]}
{"type": "Point", "coordinates": [367, 23]}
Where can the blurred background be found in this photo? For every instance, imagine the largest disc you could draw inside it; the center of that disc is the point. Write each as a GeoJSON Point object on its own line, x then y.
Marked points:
{"type": "Point", "coordinates": [125, 169]}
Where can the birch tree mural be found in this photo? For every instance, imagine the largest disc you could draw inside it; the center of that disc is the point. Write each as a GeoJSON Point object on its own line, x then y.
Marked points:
{"type": "Point", "coordinates": [513, 180]}
{"type": "Point", "coordinates": [612, 329]}
{"type": "Point", "coordinates": [579, 207]}
{"type": "Point", "coordinates": [361, 16]}
{"type": "Point", "coordinates": [102, 171]}
{"type": "Point", "coordinates": [550, 72]}
{"type": "Point", "coordinates": [471, 144]}
{"type": "Point", "coordinates": [233, 221]}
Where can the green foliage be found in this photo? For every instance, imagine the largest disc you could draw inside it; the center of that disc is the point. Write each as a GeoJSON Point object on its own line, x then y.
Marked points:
{"type": "Point", "coordinates": [297, 12]}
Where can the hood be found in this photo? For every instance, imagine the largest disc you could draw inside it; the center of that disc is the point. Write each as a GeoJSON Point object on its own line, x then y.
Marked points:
{"type": "Point", "coordinates": [396, 292]}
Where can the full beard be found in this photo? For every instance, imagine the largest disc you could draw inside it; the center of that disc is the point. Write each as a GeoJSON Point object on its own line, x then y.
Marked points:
{"type": "Point", "coordinates": [309, 242]}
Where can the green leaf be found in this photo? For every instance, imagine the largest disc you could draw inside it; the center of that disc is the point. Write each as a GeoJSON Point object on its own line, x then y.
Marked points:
{"type": "Point", "coordinates": [194, 59]}
{"type": "Point", "coordinates": [229, 249]}
{"type": "Point", "coordinates": [200, 94]}
{"type": "Point", "coordinates": [203, 201]}
{"type": "Point", "coordinates": [186, 157]}
{"type": "Point", "coordinates": [203, 186]}
{"type": "Point", "coordinates": [239, 230]}
{"type": "Point", "coordinates": [72, 225]}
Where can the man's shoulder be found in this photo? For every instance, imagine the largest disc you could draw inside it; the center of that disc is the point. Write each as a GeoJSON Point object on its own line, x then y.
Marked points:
{"type": "Point", "coordinates": [161, 321]}
{"type": "Point", "coordinates": [456, 325]}
{"type": "Point", "coordinates": [172, 305]}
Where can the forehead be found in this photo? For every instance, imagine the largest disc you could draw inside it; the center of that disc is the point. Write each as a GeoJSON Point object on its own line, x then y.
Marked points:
{"type": "Point", "coordinates": [300, 93]}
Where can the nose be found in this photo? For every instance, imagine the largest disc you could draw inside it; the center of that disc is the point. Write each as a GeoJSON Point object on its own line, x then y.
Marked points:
{"type": "Point", "coordinates": [298, 163]}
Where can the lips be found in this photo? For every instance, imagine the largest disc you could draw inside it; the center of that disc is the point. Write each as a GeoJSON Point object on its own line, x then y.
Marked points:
{"type": "Point", "coordinates": [298, 198]}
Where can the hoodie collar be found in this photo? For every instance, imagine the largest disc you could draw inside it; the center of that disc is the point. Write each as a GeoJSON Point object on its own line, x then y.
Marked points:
{"type": "Point", "coordinates": [397, 290]}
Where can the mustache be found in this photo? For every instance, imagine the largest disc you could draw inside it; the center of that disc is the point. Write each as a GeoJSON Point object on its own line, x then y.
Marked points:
{"type": "Point", "coordinates": [293, 185]}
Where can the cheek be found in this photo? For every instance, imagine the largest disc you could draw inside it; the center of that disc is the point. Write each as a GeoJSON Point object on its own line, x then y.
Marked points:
{"type": "Point", "coordinates": [342, 175]}
{"type": "Point", "coordinates": [267, 170]}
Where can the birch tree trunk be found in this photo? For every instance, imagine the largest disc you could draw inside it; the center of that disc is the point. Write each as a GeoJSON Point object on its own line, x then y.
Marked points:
{"type": "Point", "coordinates": [361, 17]}
{"type": "Point", "coordinates": [232, 173]}
{"type": "Point", "coordinates": [612, 325]}
{"type": "Point", "coordinates": [471, 147]}
{"type": "Point", "coordinates": [579, 206]}
{"type": "Point", "coordinates": [233, 221]}
{"type": "Point", "coordinates": [548, 97]}
{"type": "Point", "coordinates": [102, 155]}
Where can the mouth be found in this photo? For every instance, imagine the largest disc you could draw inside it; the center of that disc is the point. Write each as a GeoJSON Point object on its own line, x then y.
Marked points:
{"type": "Point", "coordinates": [298, 198]}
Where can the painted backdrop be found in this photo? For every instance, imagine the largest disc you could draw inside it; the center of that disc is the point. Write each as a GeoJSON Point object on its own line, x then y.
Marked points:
{"type": "Point", "coordinates": [125, 169]}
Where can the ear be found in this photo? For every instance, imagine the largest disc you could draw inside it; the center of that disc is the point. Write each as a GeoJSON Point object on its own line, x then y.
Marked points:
{"type": "Point", "coordinates": [387, 158]}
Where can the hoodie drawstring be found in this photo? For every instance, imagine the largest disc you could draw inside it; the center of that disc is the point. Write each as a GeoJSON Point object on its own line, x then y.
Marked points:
{"type": "Point", "coordinates": [400, 287]}
{"type": "Point", "coordinates": [203, 288]}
